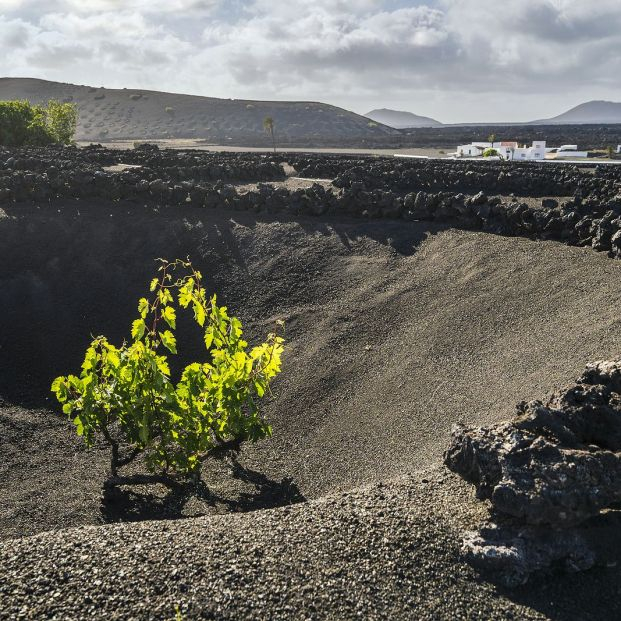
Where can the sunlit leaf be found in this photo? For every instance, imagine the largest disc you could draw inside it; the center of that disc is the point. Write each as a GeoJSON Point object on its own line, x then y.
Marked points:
{"type": "Point", "coordinates": [199, 313]}
{"type": "Point", "coordinates": [169, 316]}
{"type": "Point", "coordinates": [138, 328]}
{"type": "Point", "coordinates": [79, 426]}
{"type": "Point", "coordinates": [143, 307]}
{"type": "Point", "coordinates": [259, 388]}
{"type": "Point", "coordinates": [169, 341]}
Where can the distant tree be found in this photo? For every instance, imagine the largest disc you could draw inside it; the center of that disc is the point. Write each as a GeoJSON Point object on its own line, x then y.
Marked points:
{"type": "Point", "coordinates": [23, 123]}
{"type": "Point", "coordinates": [62, 121]}
{"type": "Point", "coordinates": [610, 151]}
{"type": "Point", "coordinates": [490, 153]}
{"type": "Point", "coordinates": [268, 126]}
{"type": "Point", "coordinates": [491, 138]}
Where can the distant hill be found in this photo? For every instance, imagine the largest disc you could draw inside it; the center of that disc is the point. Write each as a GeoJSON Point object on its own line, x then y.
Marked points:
{"type": "Point", "coordinates": [400, 119]}
{"type": "Point", "coordinates": [594, 112]}
{"type": "Point", "coordinates": [107, 114]}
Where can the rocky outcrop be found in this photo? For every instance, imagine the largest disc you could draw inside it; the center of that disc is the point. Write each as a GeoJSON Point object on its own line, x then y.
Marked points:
{"type": "Point", "coordinates": [512, 553]}
{"type": "Point", "coordinates": [549, 474]}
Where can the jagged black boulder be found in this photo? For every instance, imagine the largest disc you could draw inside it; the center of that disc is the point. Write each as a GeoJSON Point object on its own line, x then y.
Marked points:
{"type": "Point", "coordinates": [552, 474]}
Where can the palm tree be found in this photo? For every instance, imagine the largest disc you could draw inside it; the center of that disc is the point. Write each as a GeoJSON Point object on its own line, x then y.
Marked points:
{"type": "Point", "coordinates": [491, 138]}
{"type": "Point", "coordinates": [268, 126]}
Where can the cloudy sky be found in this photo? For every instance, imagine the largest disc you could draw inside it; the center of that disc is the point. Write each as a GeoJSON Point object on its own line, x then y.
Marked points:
{"type": "Point", "coordinates": [455, 60]}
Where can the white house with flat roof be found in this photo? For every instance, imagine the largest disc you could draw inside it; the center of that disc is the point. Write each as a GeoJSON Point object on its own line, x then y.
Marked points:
{"type": "Point", "coordinates": [507, 150]}
{"type": "Point", "coordinates": [536, 152]}
{"type": "Point", "coordinates": [512, 151]}
{"type": "Point", "coordinates": [473, 149]}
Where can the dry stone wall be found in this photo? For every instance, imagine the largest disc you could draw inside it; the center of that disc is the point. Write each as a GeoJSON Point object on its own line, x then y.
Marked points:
{"type": "Point", "coordinates": [577, 206]}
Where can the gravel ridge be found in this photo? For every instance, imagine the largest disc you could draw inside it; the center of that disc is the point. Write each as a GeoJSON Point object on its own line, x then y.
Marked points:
{"type": "Point", "coordinates": [384, 551]}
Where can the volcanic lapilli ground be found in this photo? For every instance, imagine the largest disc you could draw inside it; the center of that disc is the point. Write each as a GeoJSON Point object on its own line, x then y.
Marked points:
{"type": "Point", "coordinates": [395, 330]}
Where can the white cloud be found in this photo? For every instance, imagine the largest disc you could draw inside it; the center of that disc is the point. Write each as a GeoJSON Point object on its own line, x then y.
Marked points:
{"type": "Point", "coordinates": [99, 6]}
{"type": "Point", "coordinates": [456, 59]}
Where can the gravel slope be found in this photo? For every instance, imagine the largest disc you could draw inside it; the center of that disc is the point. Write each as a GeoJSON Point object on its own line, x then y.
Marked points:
{"type": "Point", "coordinates": [395, 331]}
{"type": "Point", "coordinates": [383, 552]}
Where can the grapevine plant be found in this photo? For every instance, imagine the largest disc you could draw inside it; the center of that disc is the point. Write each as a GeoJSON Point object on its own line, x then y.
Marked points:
{"type": "Point", "coordinates": [126, 396]}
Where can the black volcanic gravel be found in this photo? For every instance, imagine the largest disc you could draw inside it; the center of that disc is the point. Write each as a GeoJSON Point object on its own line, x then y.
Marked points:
{"type": "Point", "coordinates": [395, 329]}
{"type": "Point", "coordinates": [388, 551]}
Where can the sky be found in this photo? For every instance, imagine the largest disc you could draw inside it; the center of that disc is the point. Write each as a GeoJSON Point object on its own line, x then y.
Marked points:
{"type": "Point", "coordinates": [453, 60]}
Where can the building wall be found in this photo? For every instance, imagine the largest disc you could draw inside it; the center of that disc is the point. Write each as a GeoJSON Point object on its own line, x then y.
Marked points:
{"type": "Point", "coordinates": [469, 150]}
{"type": "Point", "coordinates": [538, 150]}
{"type": "Point", "coordinates": [510, 150]}
{"type": "Point", "coordinates": [571, 154]}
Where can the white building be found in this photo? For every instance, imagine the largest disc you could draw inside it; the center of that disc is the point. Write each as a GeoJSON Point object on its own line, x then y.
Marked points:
{"type": "Point", "coordinates": [473, 149]}
{"type": "Point", "coordinates": [568, 150]}
{"type": "Point", "coordinates": [507, 150]}
{"type": "Point", "coordinates": [511, 151]}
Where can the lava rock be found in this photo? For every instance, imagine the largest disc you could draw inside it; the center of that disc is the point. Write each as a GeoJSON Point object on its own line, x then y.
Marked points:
{"type": "Point", "coordinates": [553, 468]}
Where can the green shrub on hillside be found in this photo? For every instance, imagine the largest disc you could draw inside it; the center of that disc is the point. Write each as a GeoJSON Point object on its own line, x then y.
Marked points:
{"type": "Point", "coordinates": [126, 394]}
{"type": "Point", "coordinates": [61, 121]}
{"type": "Point", "coordinates": [23, 123]}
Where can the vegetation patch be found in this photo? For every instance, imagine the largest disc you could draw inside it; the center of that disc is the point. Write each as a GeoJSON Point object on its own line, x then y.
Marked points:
{"type": "Point", "coordinates": [125, 394]}
{"type": "Point", "coordinates": [23, 123]}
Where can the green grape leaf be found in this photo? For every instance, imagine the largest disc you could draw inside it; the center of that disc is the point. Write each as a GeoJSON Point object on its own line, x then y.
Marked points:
{"type": "Point", "coordinates": [169, 341]}
{"type": "Point", "coordinates": [185, 293]}
{"type": "Point", "coordinates": [162, 365]}
{"type": "Point", "coordinates": [59, 388]}
{"type": "Point", "coordinates": [164, 296]}
{"type": "Point", "coordinates": [79, 426]}
{"type": "Point", "coordinates": [138, 328]}
{"type": "Point", "coordinates": [169, 316]}
{"type": "Point", "coordinates": [259, 388]}
{"type": "Point", "coordinates": [208, 337]}
{"type": "Point", "coordinates": [199, 313]}
{"type": "Point", "coordinates": [143, 307]}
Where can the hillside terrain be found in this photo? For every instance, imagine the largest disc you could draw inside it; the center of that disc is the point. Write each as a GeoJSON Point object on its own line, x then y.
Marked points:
{"type": "Point", "coordinates": [130, 114]}
{"type": "Point", "coordinates": [588, 137]}
{"type": "Point", "coordinates": [590, 112]}
{"type": "Point", "coordinates": [108, 114]}
{"type": "Point", "coordinates": [400, 119]}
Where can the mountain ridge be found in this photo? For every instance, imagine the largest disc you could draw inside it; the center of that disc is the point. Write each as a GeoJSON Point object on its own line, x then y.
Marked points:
{"type": "Point", "coordinates": [590, 112]}
{"type": "Point", "coordinates": [117, 114]}
{"type": "Point", "coordinates": [401, 119]}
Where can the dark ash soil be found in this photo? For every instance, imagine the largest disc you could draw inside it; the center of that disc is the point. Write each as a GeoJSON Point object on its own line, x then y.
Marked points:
{"type": "Point", "coordinates": [386, 551]}
{"type": "Point", "coordinates": [395, 330]}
